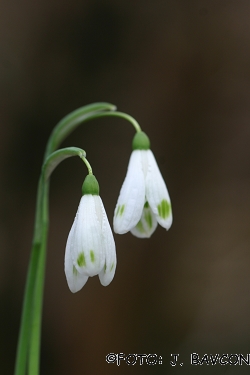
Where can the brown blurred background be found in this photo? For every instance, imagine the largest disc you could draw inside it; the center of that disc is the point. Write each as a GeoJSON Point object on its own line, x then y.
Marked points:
{"type": "Point", "coordinates": [182, 69]}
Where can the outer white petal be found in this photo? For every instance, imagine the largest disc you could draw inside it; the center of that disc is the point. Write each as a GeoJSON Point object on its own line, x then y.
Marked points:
{"type": "Point", "coordinates": [132, 196]}
{"type": "Point", "coordinates": [157, 193]}
{"type": "Point", "coordinates": [86, 250]}
{"type": "Point", "coordinates": [107, 273]}
{"type": "Point", "coordinates": [147, 225]}
{"type": "Point", "coordinates": [75, 280]}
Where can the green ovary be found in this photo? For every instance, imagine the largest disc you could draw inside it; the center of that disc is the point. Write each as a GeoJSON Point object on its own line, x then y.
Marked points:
{"type": "Point", "coordinates": [81, 260]}
{"type": "Point", "coordinates": [164, 209]}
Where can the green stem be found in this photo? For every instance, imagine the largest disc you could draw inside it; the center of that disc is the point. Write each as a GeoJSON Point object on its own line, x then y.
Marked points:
{"type": "Point", "coordinates": [87, 164]}
{"type": "Point", "coordinates": [125, 116]}
{"type": "Point", "coordinates": [58, 156]}
{"type": "Point", "coordinates": [36, 318]}
{"type": "Point", "coordinates": [23, 342]}
{"type": "Point", "coordinates": [27, 311]}
{"type": "Point", "coordinates": [30, 329]}
{"type": "Point", "coordinates": [71, 121]}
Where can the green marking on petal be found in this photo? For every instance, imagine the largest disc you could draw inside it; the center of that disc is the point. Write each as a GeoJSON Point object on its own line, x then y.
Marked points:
{"type": "Point", "coordinates": [140, 228]}
{"type": "Point", "coordinates": [92, 256]}
{"type": "Point", "coordinates": [122, 209]}
{"type": "Point", "coordinates": [146, 205]}
{"type": "Point", "coordinates": [148, 218]}
{"type": "Point", "coordinates": [75, 272]}
{"type": "Point", "coordinates": [164, 209]}
{"type": "Point", "coordinates": [112, 266]}
{"type": "Point", "coordinates": [81, 260]}
{"type": "Point", "coordinates": [105, 267]}
{"type": "Point", "coordinates": [117, 211]}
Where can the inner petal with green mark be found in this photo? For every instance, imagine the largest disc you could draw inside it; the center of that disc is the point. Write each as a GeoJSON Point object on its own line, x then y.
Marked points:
{"type": "Point", "coordinates": [92, 256]}
{"type": "Point", "coordinates": [75, 272]}
{"type": "Point", "coordinates": [148, 218]}
{"type": "Point", "coordinates": [81, 260]}
{"type": "Point", "coordinates": [164, 209]}
{"type": "Point", "coordinates": [120, 210]}
{"type": "Point", "coordinates": [140, 227]}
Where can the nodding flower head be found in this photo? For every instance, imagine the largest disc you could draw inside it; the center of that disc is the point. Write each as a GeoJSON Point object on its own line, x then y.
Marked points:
{"type": "Point", "coordinates": [144, 200]}
{"type": "Point", "coordinates": [90, 248]}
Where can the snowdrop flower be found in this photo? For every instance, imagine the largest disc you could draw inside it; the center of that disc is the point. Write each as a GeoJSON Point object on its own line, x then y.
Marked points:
{"type": "Point", "coordinates": [90, 248]}
{"type": "Point", "coordinates": [144, 200]}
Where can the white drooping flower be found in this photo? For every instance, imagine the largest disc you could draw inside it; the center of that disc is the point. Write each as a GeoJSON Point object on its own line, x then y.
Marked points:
{"type": "Point", "coordinates": [144, 200]}
{"type": "Point", "coordinates": [90, 248]}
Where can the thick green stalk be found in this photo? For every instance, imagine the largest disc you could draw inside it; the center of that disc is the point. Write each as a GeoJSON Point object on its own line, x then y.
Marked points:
{"type": "Point", "coordinates": [24, 334]}
{"type": "Point", "coordinates": [36, 318]}
{"type": "Point", "coordinates": [27, 310]}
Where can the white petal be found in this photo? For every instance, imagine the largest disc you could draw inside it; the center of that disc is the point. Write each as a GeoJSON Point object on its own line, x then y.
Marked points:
{"type": "Point", "coordinates": [157, 193]}
{"type": "Point", "coordinates": [147, 225]}
{"type": "Point", "coordinates": [75, 280]}
{"type": "Point", "coordinates": [86, 250]}
{"type": "Point", "coordinates": [132, 196]}
{"type": "Point", "coordinates": [107, 273]}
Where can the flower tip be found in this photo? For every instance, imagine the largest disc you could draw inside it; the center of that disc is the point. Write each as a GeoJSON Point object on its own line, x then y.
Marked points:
{"type": "Point", "coordinates": [106, 278]}
{"type": "Point", "coordinates": [73, 290]}
{"type": "Point", "coordinates": [118, 229]}
{"type": "Point", "coordinates": [170, 223]}
{"type": "Point", "coordinates": [108, 272]}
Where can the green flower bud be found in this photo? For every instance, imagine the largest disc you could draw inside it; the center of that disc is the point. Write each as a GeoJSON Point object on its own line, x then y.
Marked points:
{"type": "Point", "coordinates": [141, 141]}
{"type": "Point", "coordinates": [90, 185]}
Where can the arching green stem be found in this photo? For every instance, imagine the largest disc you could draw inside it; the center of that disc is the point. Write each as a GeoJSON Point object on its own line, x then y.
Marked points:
{"type": "Point", "coordinates": [87, 164]}
{"type": "Point", "coordinates": [32, 309]}
{"type": "Point", "coordinates": [58, 156]}
{"type": "Point", "coordinates": [28, 349]}
{"type": "Point", "coordinates": [72, 121]}
{"type": "Point", "coordinates": [122, 115]}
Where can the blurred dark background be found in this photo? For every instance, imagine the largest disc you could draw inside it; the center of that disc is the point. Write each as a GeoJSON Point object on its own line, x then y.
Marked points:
{"type": "Point", "coordinates": [182, 69]}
